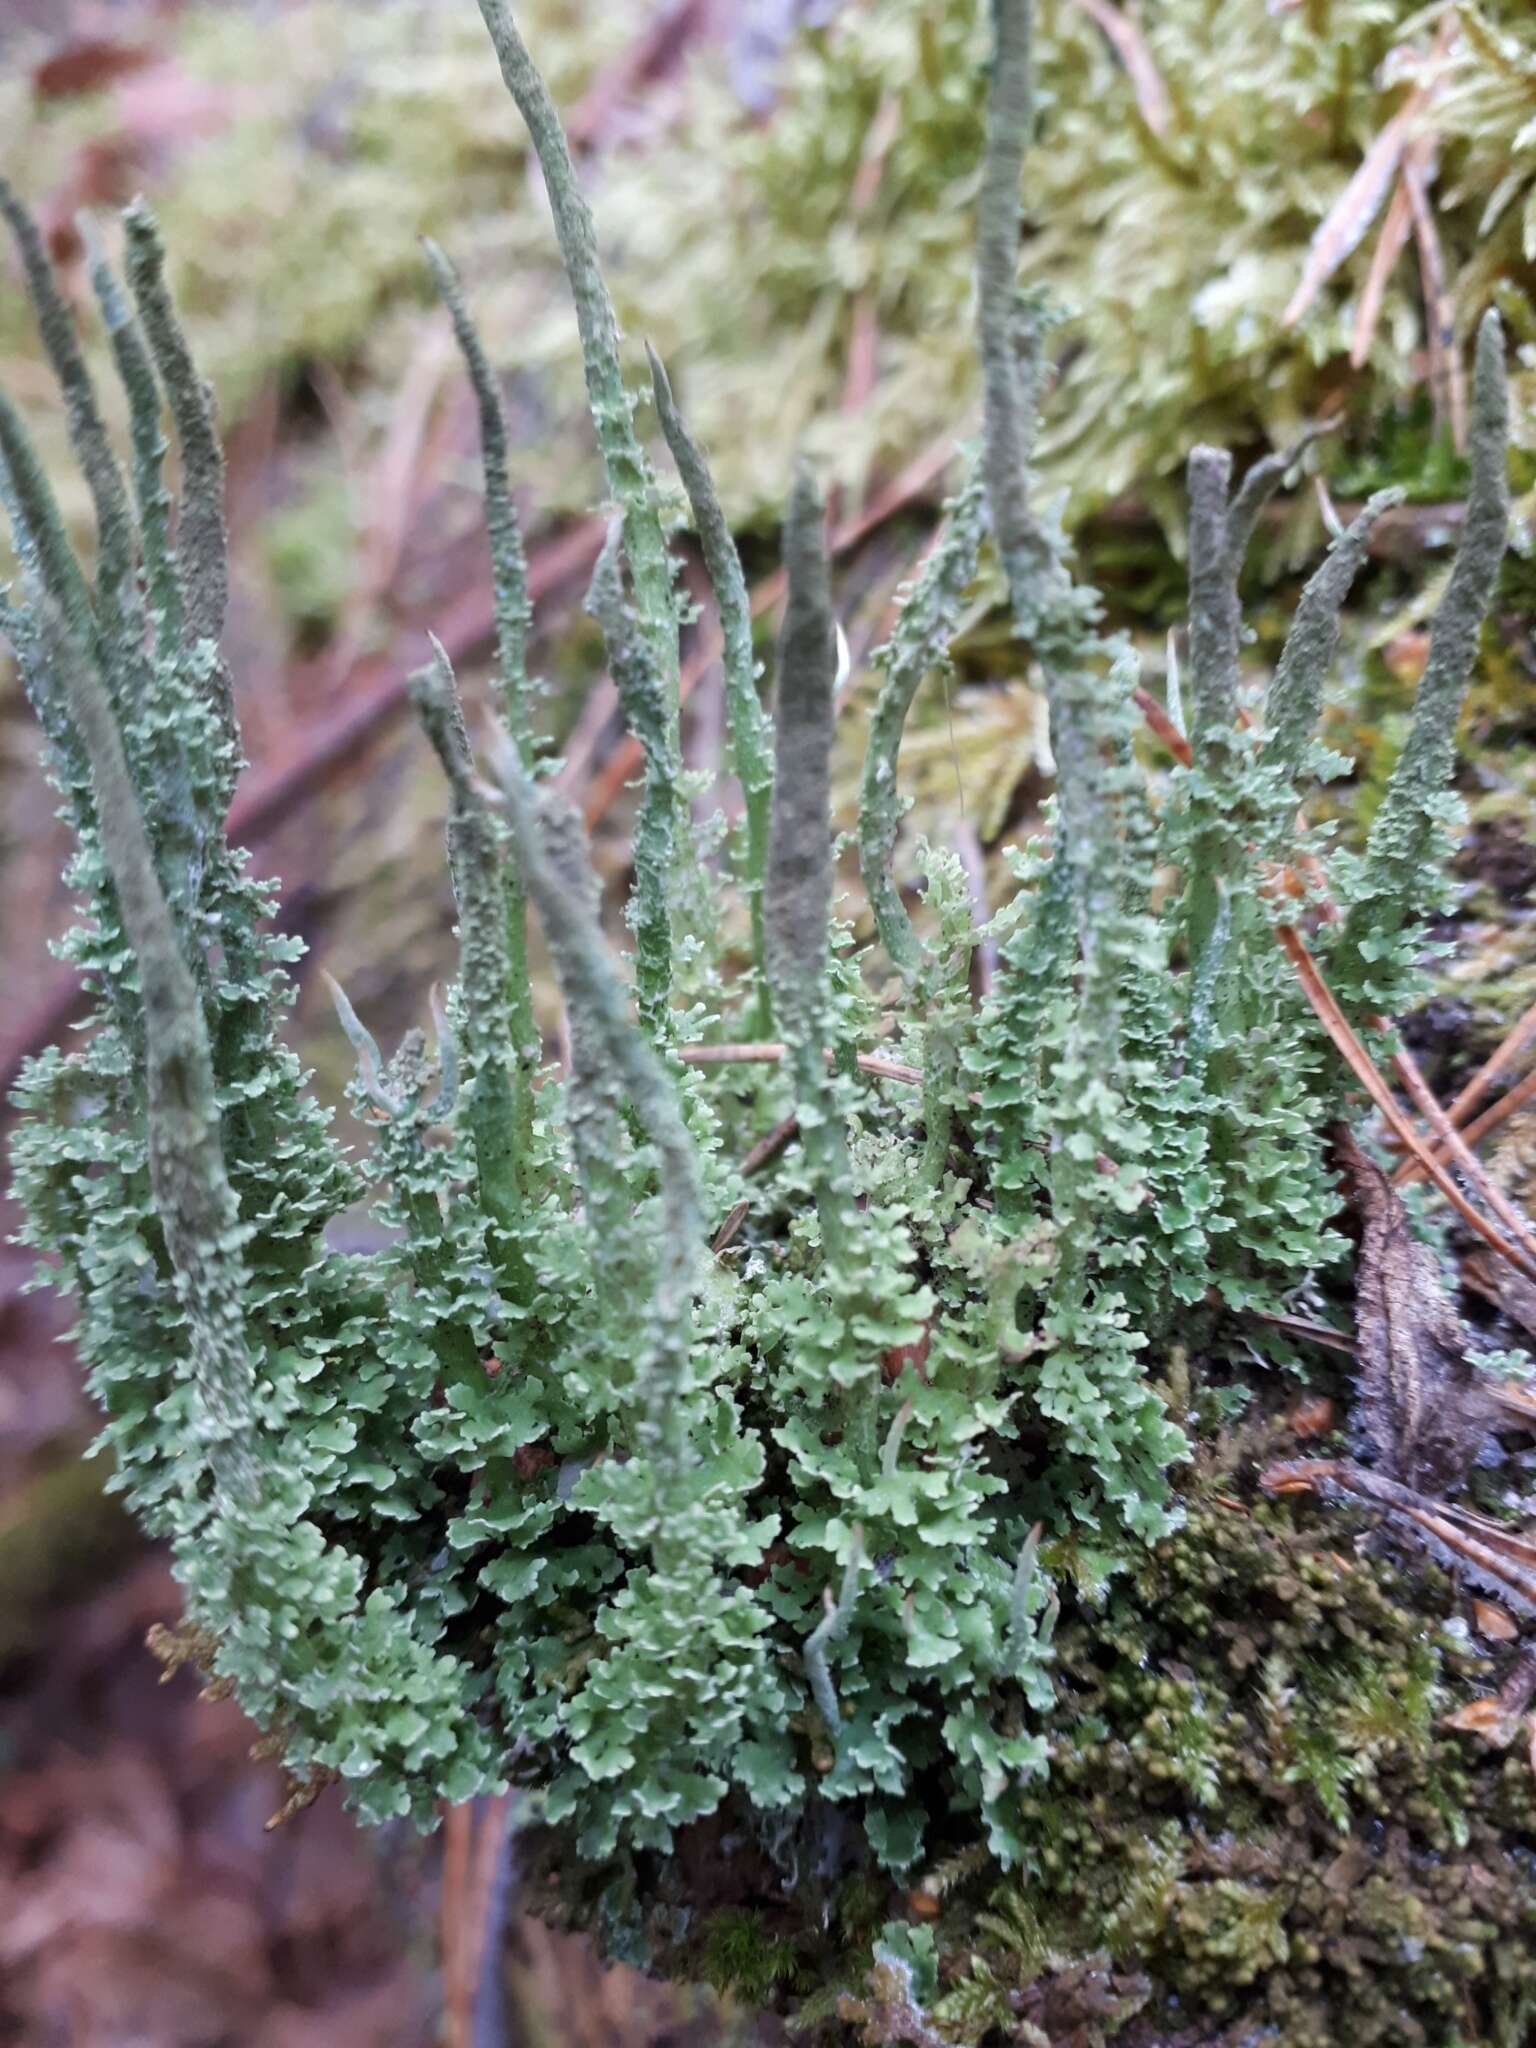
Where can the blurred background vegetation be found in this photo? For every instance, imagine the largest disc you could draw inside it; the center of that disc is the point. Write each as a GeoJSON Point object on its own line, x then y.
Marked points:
{"type": "Point", "coordinates": [1247, 213]}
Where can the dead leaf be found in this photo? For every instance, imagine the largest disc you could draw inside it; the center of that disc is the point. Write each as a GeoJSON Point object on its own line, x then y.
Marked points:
{"type": "Point", "coordinates": [1348, 1867]}
{"type": "Point", "coordinates": [895, 1362]}
{"type": "Point", "coordinates": [1485, 1717]}
{"type": "Point", "coordinates": [1416, 1396]}
{"type": "Point", "coordinates": [1494, 1621]}
{"type": "Point", "coordinates": [1314, 1416]}
{"type": "Point", "coordinates": [87, 65]}
{"type": "Point", "coordinates": [1514, 1404]}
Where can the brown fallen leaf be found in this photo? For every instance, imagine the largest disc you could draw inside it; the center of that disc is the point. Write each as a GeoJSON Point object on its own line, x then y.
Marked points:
{"type": "Point", "coordinates": [86, 65]}
{"type": "Point", "coordinates": [1484, 1717]}
{"type": "Point", "coordinates": [1348, 1868]}
{"type": "Point", "coordinates": [1315, 1416]}
{"type": "Point", "coordinates": [1494, 1621]}
{"type": "Point", "coordinates": [1417, 1397]}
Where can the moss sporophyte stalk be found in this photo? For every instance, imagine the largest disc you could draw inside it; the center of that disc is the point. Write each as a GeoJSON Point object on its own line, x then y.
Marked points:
{"type": "Point", "coordinates": [844, 1510]}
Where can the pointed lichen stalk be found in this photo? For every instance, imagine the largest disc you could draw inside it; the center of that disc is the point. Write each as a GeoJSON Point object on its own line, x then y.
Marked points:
{"type": "Point", "coordinates": [799, 877]}
{"type": "Point", "coordinates": [630, 480]}
{"type": "Point", "coordinates": [918, 647]}
{"type": "Point", "coordinates": [514, 617]}
{"type": "Point", "coordinates": [193, 1198]}
{"type": "Point", "coordinates": [593, 992]}
{"type": "Point", "coordinates": [87, 432]}
{"type": "Point", "coordinates": [153, 500]}
{"type": "Point", "coordinates": [1293, 702]}
{"type": "Point", "coordinates": [643, 699]}
{"type": "Point", "coordinates": [1222, 523]}
{"type": "Point", "coordinates": [41, 543]}
{"type": "Point", "coordinates": [474, 857]}
{"type": "Point", "coordinates": [1009, 346]}
{"type": "Point", "coordinates": [750, 729]}
{"type": "Point", "coordinates": [829, 1631]}
{"type": "Point", "coordinates": [595, 1103]}
{"type": "Point", "coordinates": [509, 566]}
{"type": "Point", "coordinates": [1403, 850]}
{"type": "Point", "coordinates": [1057, 617]}
{"type": "Point", "coordinates": [799, 903]}
{"type": "Point", "coordinates": [200, 538]}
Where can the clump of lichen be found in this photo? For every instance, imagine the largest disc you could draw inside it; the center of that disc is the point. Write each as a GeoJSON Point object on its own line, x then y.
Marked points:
{"type": "Point", "coordinates": [789, 1480]}
{"type": "Point", "coordinates": [1257, 1827]}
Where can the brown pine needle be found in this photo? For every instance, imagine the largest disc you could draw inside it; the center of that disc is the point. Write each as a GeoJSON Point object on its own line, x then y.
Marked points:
{"type": "Point", "coordinates": [730, 1229]}
{"type": "Point", "coordinates": [770, 1145]}
{"type": "Point", "coordinates": [1307, 1331]}
{"type": "Point", "coordinates": [1390, 244]}
{"type": "Point", "coordinates": [1336, 1024]}
{"type": "Point", "coordinates": [1516, 1040]}
{"type": "Point", "coordinates": [1159, 722]}
{"type": "Point", "coordinates": [1497, 1112]}
{"type": "Point", "coordinates": [1126, 40]}
{"type": "Point", "coordinates": [1447, 377]}
{"type": "Point", "coordinates": [1446, 1138]}
{"type": "Point", "coordinates": [1345, 224]}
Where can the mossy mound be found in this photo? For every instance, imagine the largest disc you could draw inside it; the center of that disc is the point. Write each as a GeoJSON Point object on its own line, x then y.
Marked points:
{"type": "Point", "coordinates": [1256, 1829]}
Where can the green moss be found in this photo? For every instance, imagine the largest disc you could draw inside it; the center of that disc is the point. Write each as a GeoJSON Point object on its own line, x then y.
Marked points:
{"type": "Point", "coordinates": [1359, 1872]}
{"type": "Point", "coordinates": [740, 1955]}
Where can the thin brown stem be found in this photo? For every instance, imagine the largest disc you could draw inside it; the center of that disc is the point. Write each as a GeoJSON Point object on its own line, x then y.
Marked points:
{"type": "Point", "coordinates": [1452, 1142]}
{"type": "Point", "coordinates": [770, 1051]}
{"type": "Point", "coordinates": [1515, 1041]}
{"type": "Point", "coordinates": [1326, 1008]}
